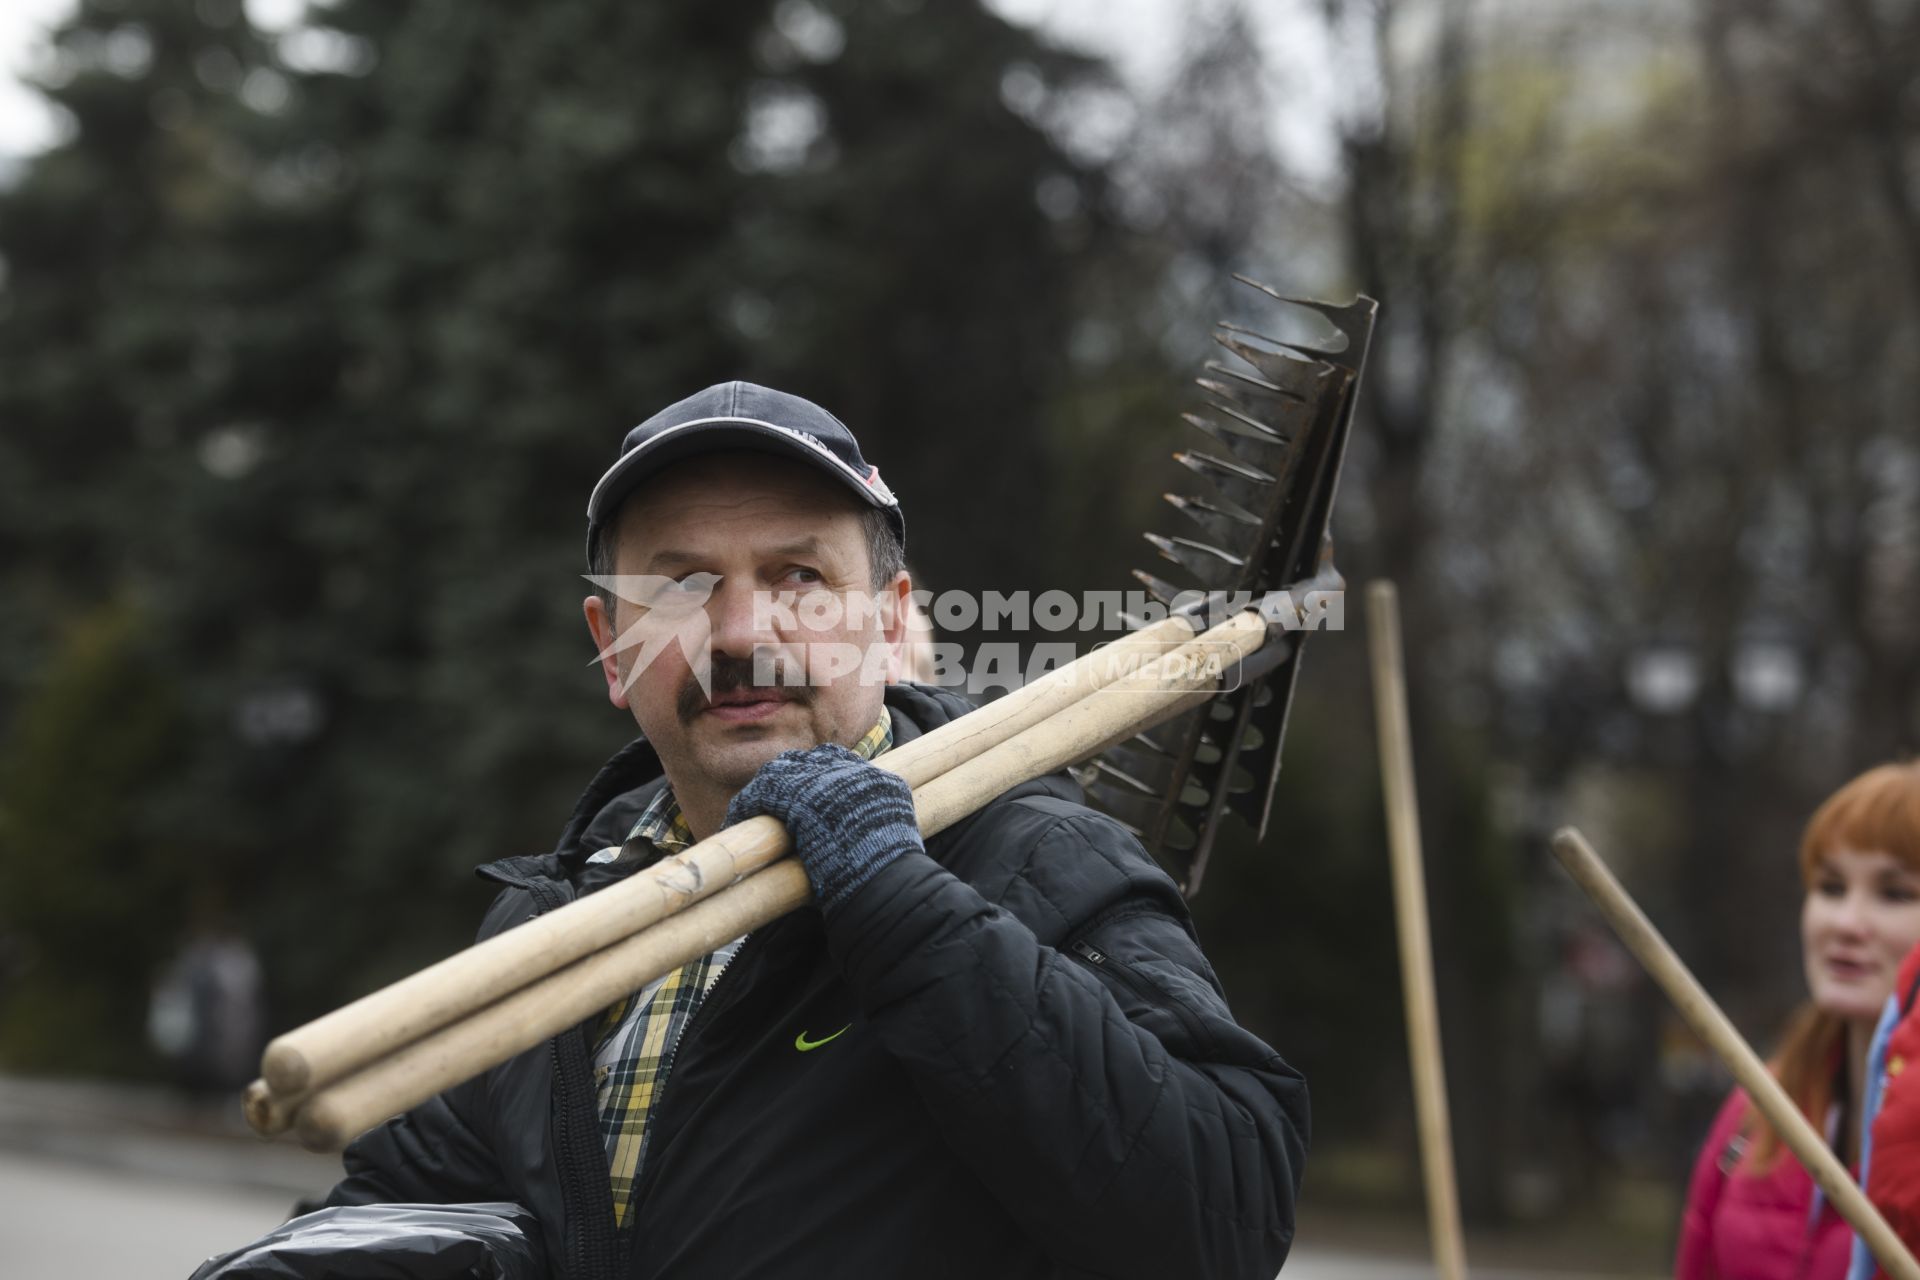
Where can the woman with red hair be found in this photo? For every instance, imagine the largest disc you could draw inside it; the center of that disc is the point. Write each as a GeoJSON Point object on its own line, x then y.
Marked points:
{"type": "Point", "coordinates": [1752, 1212]}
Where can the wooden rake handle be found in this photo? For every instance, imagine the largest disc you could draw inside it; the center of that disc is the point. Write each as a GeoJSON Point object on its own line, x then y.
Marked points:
{"type": "Point", "coordinates": [556, 1000]}
{"type": "Point", "coordinates": [1410, 915]}
{"type": "Point", "coordinates": [329, 1048]}
{"type": "Point", "coordinates": [1712, 1026]}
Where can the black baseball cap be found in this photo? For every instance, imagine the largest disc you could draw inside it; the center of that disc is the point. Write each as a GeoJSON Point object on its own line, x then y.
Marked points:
{"type": "Point", "coordinates": [739, 415]}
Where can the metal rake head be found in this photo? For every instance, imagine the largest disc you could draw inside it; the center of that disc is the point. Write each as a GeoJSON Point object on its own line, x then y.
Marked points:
{"type": "Point", "coordinates": [1276, 424]}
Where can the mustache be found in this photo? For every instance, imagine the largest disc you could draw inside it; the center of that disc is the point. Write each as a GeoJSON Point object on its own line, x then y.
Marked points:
{"type": "Point", "coordinates": [728, 673]}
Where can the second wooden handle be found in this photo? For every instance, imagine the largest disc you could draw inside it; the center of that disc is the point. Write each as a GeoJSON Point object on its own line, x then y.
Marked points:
{"type": "Point", "coordinates": [1712, 1026]}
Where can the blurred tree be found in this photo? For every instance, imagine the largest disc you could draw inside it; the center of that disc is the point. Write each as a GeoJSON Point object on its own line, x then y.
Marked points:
{"type": "Point", "coordinates": [91, 880]}
{"type": "Point", "coordinates": [1404, 233]}
{"type": "Point", "coordinates": [109, 251]}
{"type": "Point", "coordinates": [425, 266]}
{"type": "Point", "coordinates": [113, 263]}
{"type": "Point", "coordinates": [1636, 447]}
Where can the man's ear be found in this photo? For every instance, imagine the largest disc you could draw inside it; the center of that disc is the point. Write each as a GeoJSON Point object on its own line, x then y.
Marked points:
{"type": "Point", "coordinates": [897, 596]}
{"type": "Point", "coordinates": [600, 623]}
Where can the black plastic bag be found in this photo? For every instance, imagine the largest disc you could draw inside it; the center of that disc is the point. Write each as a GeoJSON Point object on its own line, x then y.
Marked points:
{"type": "Point", "coordinates": [491, 1241]}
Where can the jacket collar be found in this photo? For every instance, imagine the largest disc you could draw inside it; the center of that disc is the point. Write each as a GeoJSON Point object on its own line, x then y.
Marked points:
{"type": "Point", "coordinates": [628, 782]}
{"type": "Point", "coordinates": [632, 778]}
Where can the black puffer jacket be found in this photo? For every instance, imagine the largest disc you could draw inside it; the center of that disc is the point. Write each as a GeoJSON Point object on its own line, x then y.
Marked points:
{"type": "Point", "coordinates": [1040, 1076]}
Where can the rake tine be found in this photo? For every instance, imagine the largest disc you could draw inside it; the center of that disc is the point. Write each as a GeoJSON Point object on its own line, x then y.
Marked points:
{"type": "Point", "coordinates": [1231, 327]}
{"type": "Point", "coordinates": [1265, 452]}
{"type": "Point", "coordinates": [1292, 374]}
{"type": "Point", "coordinates": [1252, 396]}
{"type": "Point", "coordinates": [1150, 770]}
{"type": "Point", "coordinates": [1278, 415]}
{"type": "Point", "coordinates": [1207, 751]}
{"type": "Point", "coordinates": [1218, 523]}
{"type": "Point", "coordinates": [1255, 429]}
{"type": "Point", "coordinates": [1351, 319]}
{"type": "Point", "coordinates": [1168, 739]}
{"type": "Point", "coordinates": [1160, 589]}
{"type": "Point", "coordinates": [1241, 376]}
{"type": "Point", "coordinates": [1108, 770]}
{"type": "Point", "coordinates": [1277, 447]}
{"type": "Point", "coordinates": [1246, 489]}
{"type": "Point", "coordinates": [1213, 567]}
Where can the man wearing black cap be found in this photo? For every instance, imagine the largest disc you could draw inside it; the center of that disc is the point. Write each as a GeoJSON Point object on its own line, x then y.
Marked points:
{"type": "Point", "coordinates": [762, 503]}
{"type": "Point", "coordinates": [997, 1053]}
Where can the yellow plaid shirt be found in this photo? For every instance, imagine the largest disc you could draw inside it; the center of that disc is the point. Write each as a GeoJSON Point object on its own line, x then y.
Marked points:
{"type": "Point", "coordinates": [635, 1038]}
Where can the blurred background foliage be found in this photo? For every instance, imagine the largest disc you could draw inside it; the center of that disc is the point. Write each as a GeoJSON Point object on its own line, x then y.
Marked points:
{"type": "Point", "coordinates": [313, 340]}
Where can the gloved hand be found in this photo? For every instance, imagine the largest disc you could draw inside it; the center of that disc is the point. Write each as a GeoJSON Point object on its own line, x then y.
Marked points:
{"type": "Point", "coordinates": [847, 818]}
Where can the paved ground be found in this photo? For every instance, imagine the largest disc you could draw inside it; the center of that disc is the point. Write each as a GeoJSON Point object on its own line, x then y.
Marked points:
{"type": "Point", "coordinates": [100, 1183]}
{"type": "Point", "coordinates": [62, 1221]}
{"type": "Point", "coordinates": [65, 1221]}
{"type": "Point", "coordinates": [116, 1183]}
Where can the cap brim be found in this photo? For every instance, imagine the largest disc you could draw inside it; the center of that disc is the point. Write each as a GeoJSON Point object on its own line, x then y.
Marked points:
{"type": "Point", "coordinates": [711, 435]}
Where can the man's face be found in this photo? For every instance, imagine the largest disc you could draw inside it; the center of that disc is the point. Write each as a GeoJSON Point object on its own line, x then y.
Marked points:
{"type": "Point", "coordinates": [798, 653]}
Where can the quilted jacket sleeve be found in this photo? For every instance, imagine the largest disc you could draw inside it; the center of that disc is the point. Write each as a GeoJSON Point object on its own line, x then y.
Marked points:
{"type": "Point", "coordinates": [430, 1155]}
{"type": "Point", "coordinates": [1098, 1086]}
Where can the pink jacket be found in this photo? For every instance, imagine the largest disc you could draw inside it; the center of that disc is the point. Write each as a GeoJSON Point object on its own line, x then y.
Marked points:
{"type": "Point", "coordinates": [1740, 1226]}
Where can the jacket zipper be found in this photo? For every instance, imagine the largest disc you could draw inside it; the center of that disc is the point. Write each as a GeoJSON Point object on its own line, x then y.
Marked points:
{"type": "Point", "coordinates": [707, 1002]}
{"type": "Point", "coordinates": [1144, 988]}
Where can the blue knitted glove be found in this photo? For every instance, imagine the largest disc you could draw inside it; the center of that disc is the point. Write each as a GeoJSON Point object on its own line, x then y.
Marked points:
{"type": "Point", "coordinates": [847, 818]}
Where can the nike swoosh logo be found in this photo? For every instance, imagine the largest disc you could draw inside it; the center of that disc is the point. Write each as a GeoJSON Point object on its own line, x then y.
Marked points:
{"type": "Point", "coordinates": [805, 1045]}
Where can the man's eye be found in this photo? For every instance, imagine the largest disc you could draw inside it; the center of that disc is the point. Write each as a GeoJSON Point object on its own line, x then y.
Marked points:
{"type": "Point", "coordinates": [676, 593]}
{"type": "Point", "coordinates": [805, 576]}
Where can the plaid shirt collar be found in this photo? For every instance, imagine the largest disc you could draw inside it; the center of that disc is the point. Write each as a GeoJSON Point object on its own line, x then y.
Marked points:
{"type": "Point", "coordinates": [663, 825]}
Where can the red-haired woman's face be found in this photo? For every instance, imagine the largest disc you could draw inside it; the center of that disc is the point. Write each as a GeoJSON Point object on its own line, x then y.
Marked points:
{"type": "Point", "coordinates": [1861, 917]}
